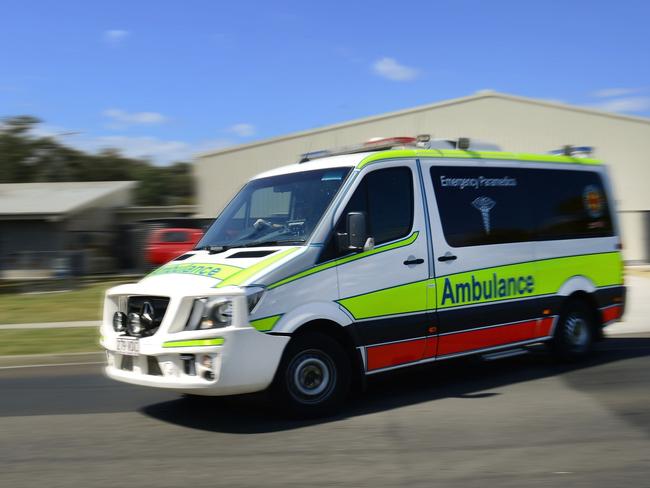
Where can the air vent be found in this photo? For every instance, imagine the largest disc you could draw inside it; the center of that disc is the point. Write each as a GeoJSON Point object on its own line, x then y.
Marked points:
{"type": "Point", "coordinates": [250, 254]}
{"type": "Point", "coordinates": [183, 257]}
{"type": "Point", "coordinates": [153, 368]}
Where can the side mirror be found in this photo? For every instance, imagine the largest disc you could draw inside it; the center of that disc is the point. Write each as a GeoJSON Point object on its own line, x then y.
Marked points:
{"type": "Point", "coordinates": [357, 230]}
{"type": "Point", "coordinates": [356, 236]}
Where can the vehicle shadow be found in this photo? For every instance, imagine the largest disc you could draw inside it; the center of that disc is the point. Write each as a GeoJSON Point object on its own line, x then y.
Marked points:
{"type": "Point", "coordinates": [469, 378]}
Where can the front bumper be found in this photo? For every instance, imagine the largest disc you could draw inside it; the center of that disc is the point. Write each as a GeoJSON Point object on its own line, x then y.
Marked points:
{"type": "Point", "coordinates": [244, 363]}
{"type": "Point", "coordinates": [242, 360]}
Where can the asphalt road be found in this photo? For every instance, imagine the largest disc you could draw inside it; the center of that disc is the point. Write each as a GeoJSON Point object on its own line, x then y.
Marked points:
{"type": "Point", "coordinates": [523, 421]}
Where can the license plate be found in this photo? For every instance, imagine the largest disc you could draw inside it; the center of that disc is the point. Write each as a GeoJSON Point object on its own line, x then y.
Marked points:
{"type": "Point", "coordinates": [128, 346]}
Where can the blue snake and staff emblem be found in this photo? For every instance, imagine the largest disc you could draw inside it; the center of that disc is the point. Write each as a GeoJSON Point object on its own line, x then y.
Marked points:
{"type": "Point", "coordinates": [484, 205]}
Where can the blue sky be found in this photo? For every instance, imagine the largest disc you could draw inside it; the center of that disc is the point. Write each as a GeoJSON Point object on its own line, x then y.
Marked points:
{"type": "Point", "coordinates": [166, 79]}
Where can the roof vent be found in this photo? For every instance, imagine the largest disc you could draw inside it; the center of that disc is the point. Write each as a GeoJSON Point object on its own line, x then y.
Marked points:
{"type": "Point", "coordinates": [249, 254]}
{"type": "Point", "coordinates": [463, 143]}
{"type": "Point", "coordinates": [183, 257]}
{"type": "Point", "coordinates": [574, 151]}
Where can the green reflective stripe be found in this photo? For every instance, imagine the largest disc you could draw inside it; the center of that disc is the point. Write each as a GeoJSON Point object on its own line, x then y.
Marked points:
{"type": "Point", "coordinates": [209, 270]}
{"type": "Point", "coordinates": [548, 276]}
{"type": "Point", "coordinates": [402, 153]}
{"type": "Point", "coordinates": [459, 154]}
{"type": "Point", "coordinates": [543, 158]}
{"type": "Point", "coordinates": [353, 257]}
{"type": "Point", "coordinates": [245, 274]}
{"type": "Point", "coordinates": [266, 324]}
{"type": "Point", "coordinates": [217, 341]}
{"type": "Point", "coordinates": [513, 281]}
{"type": "Point", "coordinates": [408, 298]}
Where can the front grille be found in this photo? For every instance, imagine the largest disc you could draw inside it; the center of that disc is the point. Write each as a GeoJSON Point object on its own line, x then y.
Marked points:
{"type": "Point", "coordinates": [137, 304]}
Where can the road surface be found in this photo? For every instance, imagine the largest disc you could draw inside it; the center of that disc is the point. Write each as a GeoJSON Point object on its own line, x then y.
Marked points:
{"type": "Point", "coordinates": [523, 421]}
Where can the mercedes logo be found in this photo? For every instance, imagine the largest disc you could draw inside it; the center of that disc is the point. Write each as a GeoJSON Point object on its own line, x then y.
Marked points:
{"type": "Point", "coordinates": [147, 314]}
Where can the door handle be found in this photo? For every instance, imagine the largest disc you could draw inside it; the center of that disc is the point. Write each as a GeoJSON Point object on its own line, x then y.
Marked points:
{"type": "Point", "coordinates": [409, 262]}
{"type": "Point", "coordinates": [447, 257]}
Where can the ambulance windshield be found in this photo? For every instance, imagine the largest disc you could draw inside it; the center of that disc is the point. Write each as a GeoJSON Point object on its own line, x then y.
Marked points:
{"type": "Point", "coordinates": [278, 210]}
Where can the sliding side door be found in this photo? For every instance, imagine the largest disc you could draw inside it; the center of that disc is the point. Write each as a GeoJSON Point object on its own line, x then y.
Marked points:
{"type": "Point", "coordinates": [485, 275]}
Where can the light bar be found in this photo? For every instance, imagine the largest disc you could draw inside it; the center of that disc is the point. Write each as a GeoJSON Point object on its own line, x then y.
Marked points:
{"type": "Point", "coordinates": [389, 142]}
{"type": "Point", "coordinates": [377, 144]}
{"type": "Point", "coordinates": [422, 141]}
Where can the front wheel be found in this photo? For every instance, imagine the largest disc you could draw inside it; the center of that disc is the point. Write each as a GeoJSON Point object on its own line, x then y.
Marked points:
{"type": "Point", "coordinates": [313, 378]}
{"type": "Point", "coordinates": [574, 334]}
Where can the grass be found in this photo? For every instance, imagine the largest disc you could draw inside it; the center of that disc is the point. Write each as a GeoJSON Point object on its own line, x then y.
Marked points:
{"type": "Point", "coordinates": [84, 303]}
{"type": "Point", "coordinates": [49, 341]}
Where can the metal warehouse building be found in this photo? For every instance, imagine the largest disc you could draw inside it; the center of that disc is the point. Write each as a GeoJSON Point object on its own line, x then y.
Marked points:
{"type": "Point", "coordinates": [515, 123]}
{"type": "Point", "coordinates": [43, 225]}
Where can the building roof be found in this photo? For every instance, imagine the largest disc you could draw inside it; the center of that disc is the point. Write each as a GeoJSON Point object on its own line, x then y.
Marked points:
{"type": "Point", "coordinates": [30, 200]}
{"type": "Point", "coordinates": [454, 101]}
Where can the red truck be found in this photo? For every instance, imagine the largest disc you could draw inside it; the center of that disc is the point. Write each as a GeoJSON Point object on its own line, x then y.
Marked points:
{"type": "Point", "coordinates": [165, 244]}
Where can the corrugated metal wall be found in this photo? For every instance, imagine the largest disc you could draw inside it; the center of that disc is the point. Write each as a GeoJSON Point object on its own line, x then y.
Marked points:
{"type": "Point", "coordinates": [516, 124]}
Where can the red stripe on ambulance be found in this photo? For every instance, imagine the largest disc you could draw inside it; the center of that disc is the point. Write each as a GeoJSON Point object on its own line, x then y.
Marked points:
{"type": "Point", "coordinates": [612, 313]}
{"type": "Point", "coordinates": [410, 351]}
{"type": "Point", "coordinates": [387, 355]}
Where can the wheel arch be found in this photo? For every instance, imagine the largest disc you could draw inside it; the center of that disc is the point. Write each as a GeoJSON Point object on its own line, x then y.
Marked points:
{"type": "Point", "coordinates": [311, 312]}
{"type": "Point", "coordinates": [577, 284]}
{"type": "Point", "coordinates": [572, 291]}
{"type": "Point", "coordinates": [344, 335]}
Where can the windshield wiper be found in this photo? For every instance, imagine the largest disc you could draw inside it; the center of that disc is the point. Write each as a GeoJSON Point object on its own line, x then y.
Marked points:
{"type": "Point", "coordinates": [223, 248]}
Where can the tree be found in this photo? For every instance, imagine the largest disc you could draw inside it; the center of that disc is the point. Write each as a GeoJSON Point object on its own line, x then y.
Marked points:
{"type": "Point", "coordinates": [26, 158]}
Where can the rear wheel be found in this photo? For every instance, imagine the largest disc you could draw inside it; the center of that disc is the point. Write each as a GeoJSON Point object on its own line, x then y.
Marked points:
{"type": "Point", "coordinates": [574, 334]}
{"type": "Point", "coordinates": [313, 378]}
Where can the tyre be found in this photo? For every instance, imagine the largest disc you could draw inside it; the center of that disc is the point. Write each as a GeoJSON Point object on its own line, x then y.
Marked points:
{"type": "Point", "coordinates": [575, 331]}
{"type": "Point", "coordinates": [313, 378]}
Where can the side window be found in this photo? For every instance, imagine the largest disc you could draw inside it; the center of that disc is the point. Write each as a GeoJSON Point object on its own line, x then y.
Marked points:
{"type": "Point", "coordinates": [481, 205]}
{"type": "Point", "coordinates": [390, 203]}
{"type": "Point", "coordinates": [570, 205]}
{"type": "Point", "coordinates": [386, 195]}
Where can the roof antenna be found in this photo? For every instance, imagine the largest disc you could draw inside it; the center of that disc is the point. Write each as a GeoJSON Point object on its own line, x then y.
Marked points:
{"type": "Point", "coordinates": [304, 157]}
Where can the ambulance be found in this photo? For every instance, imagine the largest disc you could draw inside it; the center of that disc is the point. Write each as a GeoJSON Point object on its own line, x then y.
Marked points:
{"type": "Point", "coordinates": [389, 254]}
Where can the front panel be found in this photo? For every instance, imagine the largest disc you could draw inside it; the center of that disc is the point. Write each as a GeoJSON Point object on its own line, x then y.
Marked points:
{"type": "Point", "coordinates": [386, 292]}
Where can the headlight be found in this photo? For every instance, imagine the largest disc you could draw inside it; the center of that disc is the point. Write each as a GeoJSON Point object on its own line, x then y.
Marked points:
{"type": "Point", "coordinates": [134, 325]}
{"type": "Point", "coordinates": [210, 313]}
{"type": "Point", "coordinates": [119, 322]}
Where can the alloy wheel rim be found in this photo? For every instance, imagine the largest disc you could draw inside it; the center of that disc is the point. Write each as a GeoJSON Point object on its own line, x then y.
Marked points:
{"type": "Point", "coordinates": [311, 376]}
{"type": "Point", "coordinates": [577, 331]}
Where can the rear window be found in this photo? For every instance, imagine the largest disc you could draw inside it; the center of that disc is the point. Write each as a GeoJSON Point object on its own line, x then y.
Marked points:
{"type": "Point", "coordinates": [569, 204]}
{"type": "Point", "coordinates": [481, 205]}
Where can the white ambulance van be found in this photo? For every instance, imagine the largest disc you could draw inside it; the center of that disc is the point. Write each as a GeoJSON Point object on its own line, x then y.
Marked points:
{"type": "Point", "coordinates": [396, 253]}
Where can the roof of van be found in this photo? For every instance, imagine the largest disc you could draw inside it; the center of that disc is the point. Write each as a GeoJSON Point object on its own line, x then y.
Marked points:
{"type": "Point", "coordinates": [359, 160]}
